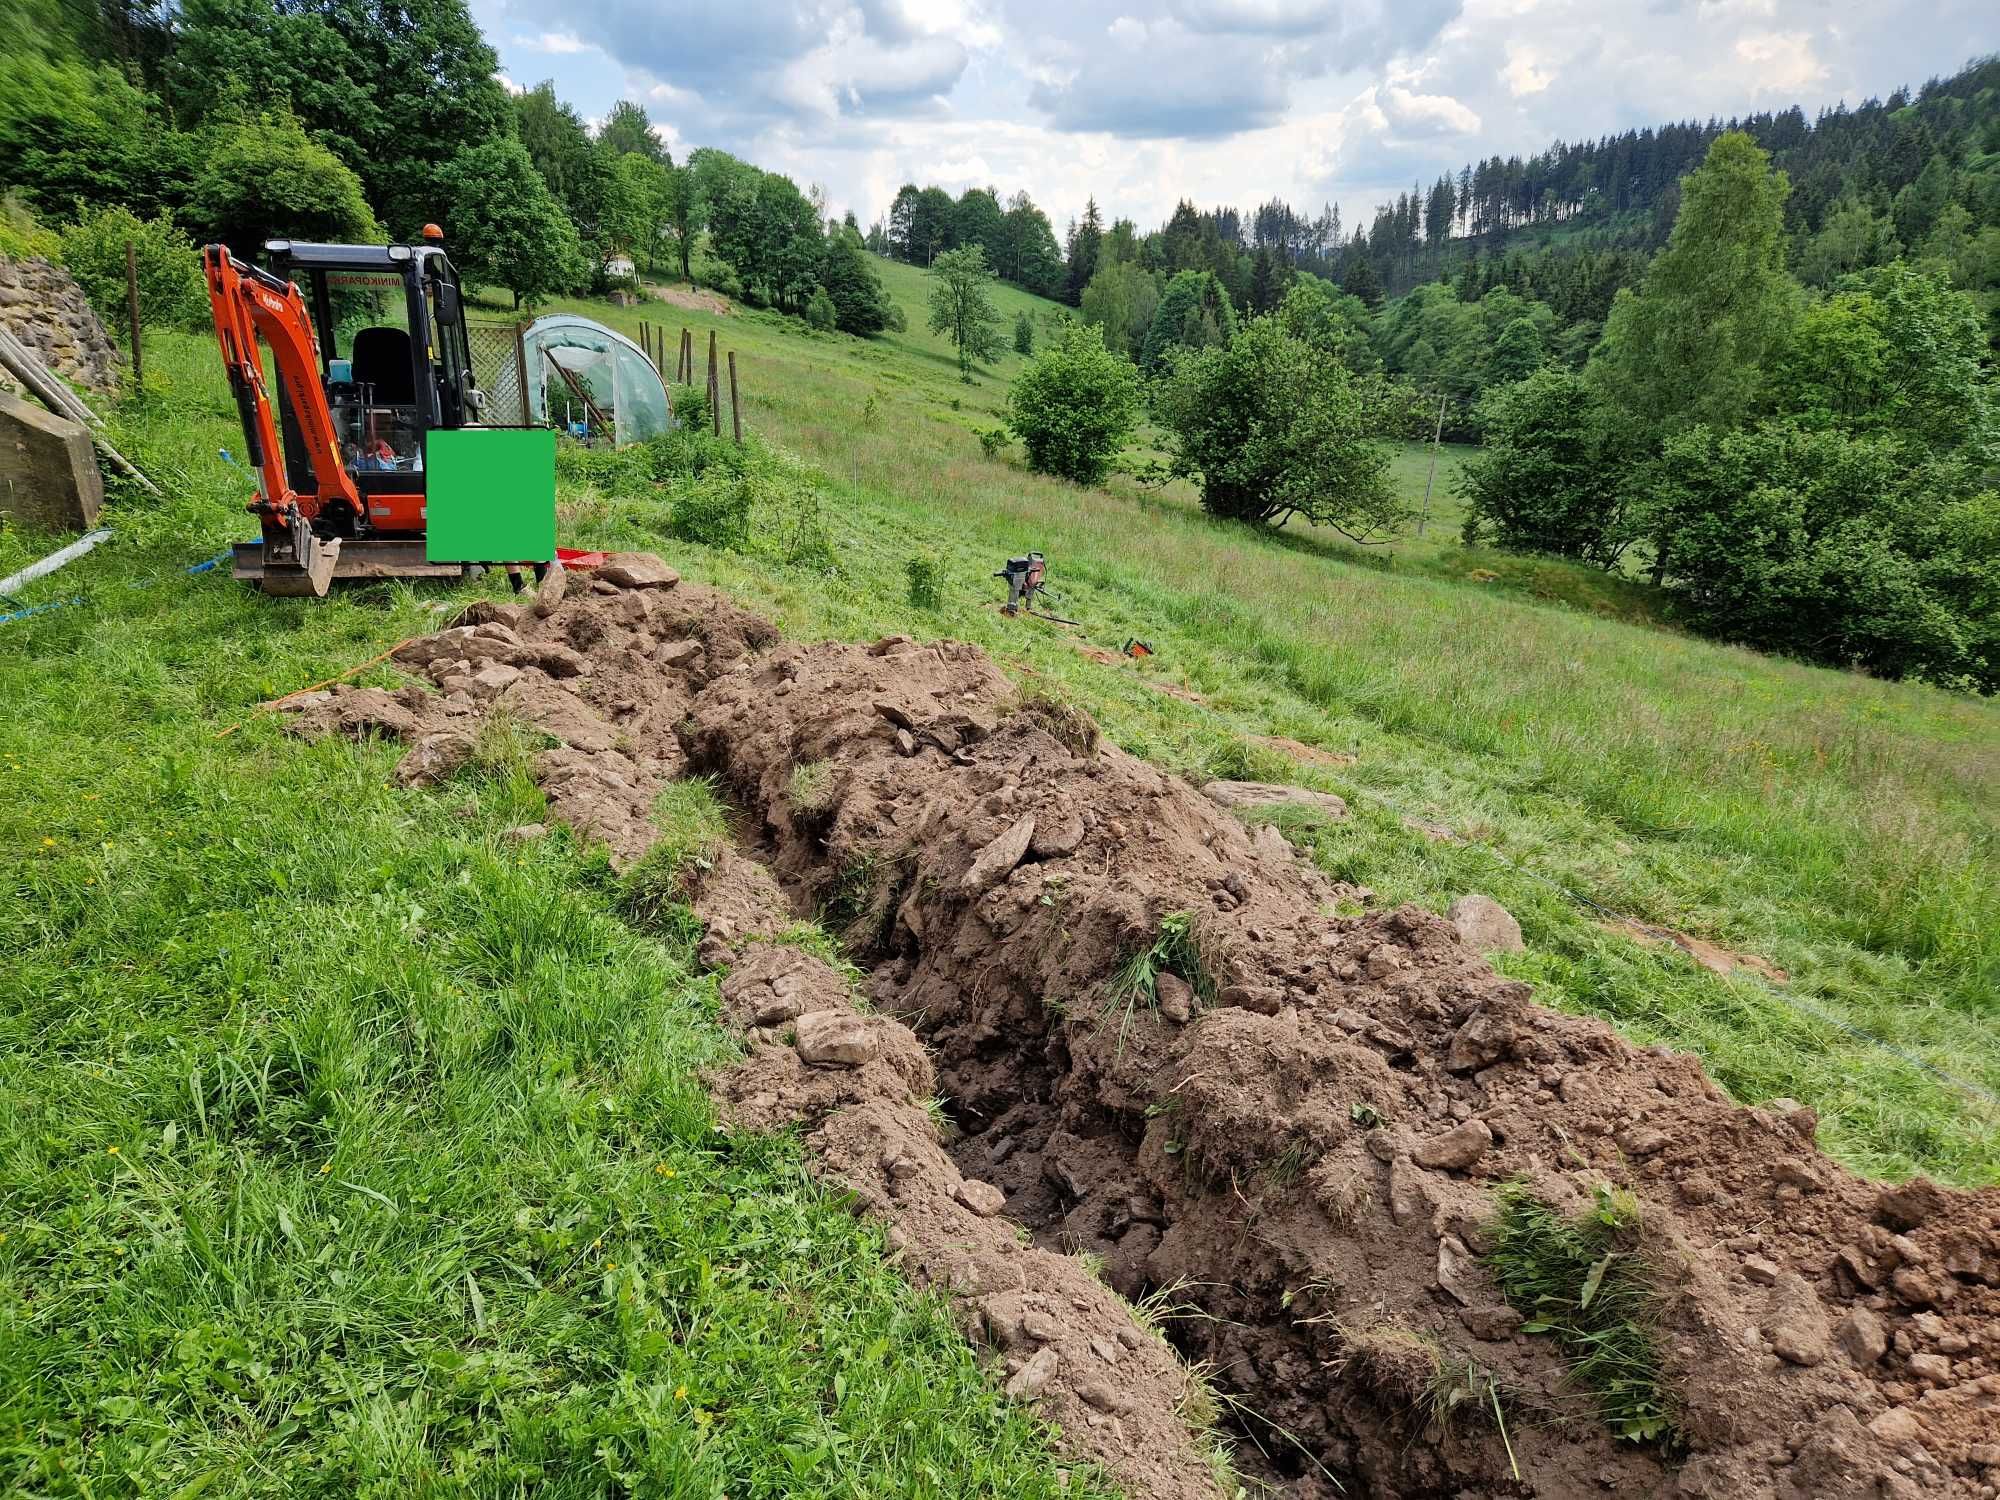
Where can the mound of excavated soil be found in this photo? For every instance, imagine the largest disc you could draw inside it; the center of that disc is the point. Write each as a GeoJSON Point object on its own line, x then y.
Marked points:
{"type": "Point", "coordinates": [1302, 1145]}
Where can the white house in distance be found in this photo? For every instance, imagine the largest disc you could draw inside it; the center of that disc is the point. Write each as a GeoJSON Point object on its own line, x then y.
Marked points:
{"type": "Point", "coordinates": [619, 264]}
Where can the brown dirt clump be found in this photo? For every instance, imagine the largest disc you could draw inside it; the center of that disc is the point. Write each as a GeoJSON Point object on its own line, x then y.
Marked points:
{"type": "Point", "coordinates": [1297, 1131]}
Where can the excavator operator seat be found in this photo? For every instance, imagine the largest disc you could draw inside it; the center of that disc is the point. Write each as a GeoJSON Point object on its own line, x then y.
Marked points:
{"type": "Point", "coordinates": [381, 358]}
{"type": "Point", "coordinates": [376, 411]}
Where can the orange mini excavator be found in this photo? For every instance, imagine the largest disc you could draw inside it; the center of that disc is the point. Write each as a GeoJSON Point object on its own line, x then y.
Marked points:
{"type": "Point", "coordinates": [369, 348]}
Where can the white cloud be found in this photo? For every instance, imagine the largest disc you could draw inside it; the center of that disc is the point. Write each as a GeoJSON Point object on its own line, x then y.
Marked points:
{"type": "Point", "coordinates": [508, 84]}
{"type": "Point", "coordinates": [1221, 101]}
{"type": "Point", "coordinates": [1523, 74]}
{"type": "Point", "coordinates": [559, 43]}
{"type": "Point", "coordinates": [1781, 63]}
{"type": "Point", "coordinates": [1438, 114]}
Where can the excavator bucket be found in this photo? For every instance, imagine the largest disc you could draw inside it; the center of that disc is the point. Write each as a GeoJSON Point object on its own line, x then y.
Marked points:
{"type": "Point", "coordinates": [292, 577]}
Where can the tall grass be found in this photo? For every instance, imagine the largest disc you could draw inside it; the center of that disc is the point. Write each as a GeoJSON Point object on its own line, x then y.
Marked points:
{"type": "Point", "coordinates": [349, 1146]}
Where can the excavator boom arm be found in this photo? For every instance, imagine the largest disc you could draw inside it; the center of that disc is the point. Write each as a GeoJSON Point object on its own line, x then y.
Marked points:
{"type": "Point", "coordinates": [246, 303]}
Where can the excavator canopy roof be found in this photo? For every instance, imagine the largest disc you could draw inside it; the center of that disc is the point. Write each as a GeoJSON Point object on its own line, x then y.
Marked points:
{"type": "Point", "coordinates": [348, 257]}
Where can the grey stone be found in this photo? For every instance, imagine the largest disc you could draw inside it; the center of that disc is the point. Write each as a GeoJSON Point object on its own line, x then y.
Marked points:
{"type": "Point", "coordinates": [1105, 1396]}
{"type": "Point", "coordinates": [1482, 1041]}
{"type": "Point", "coordinates": [1240, 795]}
{"type": "Point", "coordinates": [983, 1198]}
{"type": "Point", "coordinates": [48, 472]}
{"type": "Point", "coordinates": [1057, 835]}
{"type": "Point", "coordinates": [1409, 1203]}
{"type": "Point", "coordinates": [1458, 1272]}
{"type": "Point", "coordinates": [1484, 925]}
{"type": "Point", "coordinates": [1030, 1380]}
{"type": "Point", "coordinates": [434, 757]}
{"type": "Point", "coordinates": [637, 570]}
{"type": "Point", "coordinates": [998, 858]}
{"type": "Point", "coordinates": [1040, 1327]}
{"type": "Point", "coordinates": [1457, 1148]}
{"type": "Point", "coordinates": [1176, 997]}
{"type": "Point", "coordinates": [555, 583]}
{"type": "Point", "coordinates": [1795, 1323]}
{"type": "Point", "coordinates": [1642, 1140]}
{"type": "Point", "coordinates": [835, 1038]}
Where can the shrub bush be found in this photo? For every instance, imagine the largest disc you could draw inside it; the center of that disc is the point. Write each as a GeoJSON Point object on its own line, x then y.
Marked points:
{"type": "Point", "coordinates": [1074, 405]}
{"type": "Point", "coordinates": [926, 581]}
{"type": "Point", "coordinates": [715, 509]}
{"type": "Point", "coordinates": [690, 406]}
{"type": "Point", "coordinates": [1852, 551]}
{"type": "Point", "coordinates": [820, 312]}
{"type": "Point", "coordinates": [1273, 429]}
{"type": "Point", "coordinates": [1548, 479]}
{"type": "Point", "coordinates": [169, 266]}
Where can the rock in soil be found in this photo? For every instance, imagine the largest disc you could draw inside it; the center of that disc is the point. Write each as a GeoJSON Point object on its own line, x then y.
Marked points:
{"type": "Point", "coordinates": [1315, 1175]}
{"type": "Point", "coordinates": [1456, 1149]}
{"type": "Point", "coordinates": [1484, 925]}
{"type": "Point", "coordinates": [835, 1038]}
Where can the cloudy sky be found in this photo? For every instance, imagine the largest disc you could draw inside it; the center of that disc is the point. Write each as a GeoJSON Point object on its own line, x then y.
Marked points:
{"type": "Point", "coordinates": [1223, 101]}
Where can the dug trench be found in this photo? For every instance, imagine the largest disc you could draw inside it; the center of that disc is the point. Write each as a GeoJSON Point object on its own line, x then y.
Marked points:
{"type": "Point", "coordinates": [1177, 1076]}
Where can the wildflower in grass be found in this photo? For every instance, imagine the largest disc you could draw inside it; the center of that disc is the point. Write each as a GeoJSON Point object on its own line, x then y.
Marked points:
{"type": "Point", "coordinates": [680, 1393]}
{"type": "Point", "coordinates": [325, 1167]}
{"type": "Point", "coordinates": [110, 1150]}
{"type": "Point", "coordinates": [48, 843]}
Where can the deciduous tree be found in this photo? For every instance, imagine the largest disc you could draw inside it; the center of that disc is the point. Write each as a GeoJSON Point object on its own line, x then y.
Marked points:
{"type": "Point", "coordinates": [506, 228]}
{"type": "Point", "coordinates": [962, 306]}
{"type": "Point", "coordinates": [1271, 428]}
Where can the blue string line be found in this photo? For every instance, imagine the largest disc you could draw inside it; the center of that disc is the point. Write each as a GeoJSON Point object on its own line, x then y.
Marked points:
{"type": "Point", "coordinates": [137, 583]}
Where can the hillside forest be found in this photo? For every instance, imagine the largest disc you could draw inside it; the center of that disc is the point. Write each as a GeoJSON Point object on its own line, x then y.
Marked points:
{"type": "Point", "coordinates": [1750, 361]}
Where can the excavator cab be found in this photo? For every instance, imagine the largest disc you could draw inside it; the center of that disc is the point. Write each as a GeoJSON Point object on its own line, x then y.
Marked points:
{"type": "Point", "coordinates": [368, 345]}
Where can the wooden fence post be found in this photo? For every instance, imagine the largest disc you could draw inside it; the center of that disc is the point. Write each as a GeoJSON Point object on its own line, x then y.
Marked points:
{"type": "Point", "coordinates": [132, 306]}
{"type": "Point", "coordinates": [686, 373]}
{"type": "Point", "coordinates": [714, 388]}
{"type": "Point", "coordinates": [735, 411]}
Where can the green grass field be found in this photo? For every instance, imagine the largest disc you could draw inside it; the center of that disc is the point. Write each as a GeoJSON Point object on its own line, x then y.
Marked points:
{"type": "Point", "coordinates": [350, 1148]}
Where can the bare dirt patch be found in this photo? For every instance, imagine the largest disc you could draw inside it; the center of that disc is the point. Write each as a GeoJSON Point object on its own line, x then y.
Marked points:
{"type": "Point", "coordinates": [1299, 750]}
{"type": "Point", "coordinates": [1297, 1125]}
{"type": "Point", "coordinates": [1711, 956]}
{"type": "Point", "coordinates": [694, 299]}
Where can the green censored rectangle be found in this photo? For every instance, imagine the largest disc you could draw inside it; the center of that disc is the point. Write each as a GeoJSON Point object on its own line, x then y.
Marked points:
{"type": "Point", "coordinates": [490, 495]}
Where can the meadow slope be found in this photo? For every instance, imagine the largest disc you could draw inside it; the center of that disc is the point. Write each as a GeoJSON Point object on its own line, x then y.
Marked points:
{"type": "Point", "coordinates": [347, 1140]}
